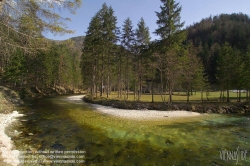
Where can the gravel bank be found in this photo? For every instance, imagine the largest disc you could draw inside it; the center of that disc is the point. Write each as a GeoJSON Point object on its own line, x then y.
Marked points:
{"type": "Point", "coordinates": [143, 114]}
{"type": "Point", "coordinates": [8, 154]}
{"type": "Point", "coordinates": [138, 114]}
{"type": "Point", "coordinates": [8, 102]}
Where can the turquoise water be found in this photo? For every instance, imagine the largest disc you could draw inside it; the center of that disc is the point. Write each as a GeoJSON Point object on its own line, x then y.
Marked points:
{"type": "Point", "coordinates": [65, 125]}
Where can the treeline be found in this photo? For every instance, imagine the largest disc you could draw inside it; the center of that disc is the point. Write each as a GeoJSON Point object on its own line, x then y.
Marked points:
{"type": "Point", "coordinates": [212, 33]}
{"type": "Point", "coordinates": [211, 55]}
{"type": "Point", "coordinates": [55, 70]}
{"type": "Point", "coordinates": [124, 60]}
{"type": "Point", "coordinates": [223, 44]}
{"type": "Point", "coordinates": [30, 63]}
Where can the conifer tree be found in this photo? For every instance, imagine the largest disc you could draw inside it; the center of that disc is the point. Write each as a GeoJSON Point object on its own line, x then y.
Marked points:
{"type": "Point", "coordinates": [98, 50]}
{"type": "Point", "coordinates": [142, 42]}
{"type": "Point", "coordinates": [171, 35]}
{"type": "Point", "coordinates": [225, 68]}
{"type": "Point", "coordinates": [90, 56]}
{"type": "Point", "coordinates": [127, 41]}
{"type": "Point", "coordinates": [169, 23]}
{"type": "Point", "coordinates": [109, 38]}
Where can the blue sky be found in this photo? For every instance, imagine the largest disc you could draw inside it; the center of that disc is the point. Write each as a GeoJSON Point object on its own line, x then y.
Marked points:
{"type": "Point", "coordinates": [192, 11]}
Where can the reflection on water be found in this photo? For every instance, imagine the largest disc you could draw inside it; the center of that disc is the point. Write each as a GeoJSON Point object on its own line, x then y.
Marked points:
{"type": "Point", "coordinates": [67, 124]}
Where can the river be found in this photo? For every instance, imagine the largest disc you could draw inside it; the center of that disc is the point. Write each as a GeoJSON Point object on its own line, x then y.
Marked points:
{"type": "Point", "coordinates": [70, 126]}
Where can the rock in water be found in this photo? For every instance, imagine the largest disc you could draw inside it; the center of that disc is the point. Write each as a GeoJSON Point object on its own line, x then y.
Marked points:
{"type": "Point", "coordinates": [168, 142]}
{"type": "Point", "coordinates": [58, 146]}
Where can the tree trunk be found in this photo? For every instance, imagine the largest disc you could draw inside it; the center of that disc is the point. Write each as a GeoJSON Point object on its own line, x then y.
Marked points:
{"type": "Point", "coordinates": [102, 72]}
{"type": "Point", "coordinates": [247, 94]}
{"type": "Point", "coordinates": [152, 91]}
{"type": "Point", "coordinates": [161, 88]}
{"type": "Point", "coordinates": [120, 79]}
{"type": "Point", "coordinates": [108, 81]}
{"type": "Point", "coordinates": [140, 87]}
{"type": "Point", "coordinates": [202, 95]}
{"type": "Point", "coordinates": [223, 96]}
{"type": "Point", "coordinates": [188, 95]}
{"type": "Point", "coordinates": [108, 86]}
{"type": "Point", "coordinates": [227, 95]}
{"type": "Point", "coordinates": [220, 95]}
{"type": "Point", "coordinates": [140, 78]}
{"type": "Point", "coordinates": [128, 88]}
{"type": "Point", "coordinates": [135, 91]}
{"type": "Point", "coordinates": [127, 82]}
{"type": "Point", "coordinates": [170, 94]}
{"type": "Point", "coordinates": [240, 96]}
{"type": "Point", "coordinates": [237, 91]}
{"type": "Point", "coordinates": [165, 94]}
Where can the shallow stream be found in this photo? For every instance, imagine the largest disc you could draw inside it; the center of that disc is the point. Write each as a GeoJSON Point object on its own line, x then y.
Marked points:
{"type": "Point", "coordinates": [68, 124]}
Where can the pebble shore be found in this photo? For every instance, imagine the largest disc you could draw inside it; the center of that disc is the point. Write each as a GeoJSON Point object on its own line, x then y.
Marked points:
{"type": "Point", "coordinates": [138, 114]}
{"type": "Point", "coordinates": [143, 114]}
{"type": "Point", "coordinates": [8, 154]}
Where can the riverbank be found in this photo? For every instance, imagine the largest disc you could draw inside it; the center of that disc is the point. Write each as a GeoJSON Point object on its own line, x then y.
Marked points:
{"type": "Point", "coordinates": [144, 114]}
{"type": "Point", "coordinates": [206, 107]}
{"type": "Point", "coordinates": [138, 114]}
{"type": "Point", "coordinates": [9, 100]}
{"type": "Point", "coordinates": [31, 93]}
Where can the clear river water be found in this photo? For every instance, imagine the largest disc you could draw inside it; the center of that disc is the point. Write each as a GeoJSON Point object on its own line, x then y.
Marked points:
{"type": "Point", "coordinates": [61, 124]}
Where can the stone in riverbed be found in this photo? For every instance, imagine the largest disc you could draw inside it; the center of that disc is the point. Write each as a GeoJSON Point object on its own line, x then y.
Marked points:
{"type": "Point", "coordinates": [58, 146]}
{"type": "Point", "coordinates": [168, 142]}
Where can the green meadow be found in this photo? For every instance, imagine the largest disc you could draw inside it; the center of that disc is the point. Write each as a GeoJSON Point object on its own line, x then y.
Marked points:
{"type": "Point", "coordinates": [213, 96]}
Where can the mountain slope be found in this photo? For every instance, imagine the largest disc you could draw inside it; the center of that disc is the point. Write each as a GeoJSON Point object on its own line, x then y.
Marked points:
{"type": "Point", "coordinates": [78, 41]}
{"type": "Point", "coordinates": [211, 33]}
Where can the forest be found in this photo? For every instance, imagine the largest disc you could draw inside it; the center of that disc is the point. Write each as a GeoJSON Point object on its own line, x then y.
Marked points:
{"type": "Point", "coordinates": [211, 55]}
{"type": "Point", "coordinates": [31, 64]}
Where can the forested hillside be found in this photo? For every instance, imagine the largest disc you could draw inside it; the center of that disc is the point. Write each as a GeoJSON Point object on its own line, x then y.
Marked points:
{"type": "Point", "coordinates": [78, 42]}
{"type": "Point", "coordinates": [54, 70]}
{"type": "Point", "coordinates": [212, 33]}
{"type": "Point", "coordinates": [29, 63]}
{"type": "Point", "coordinates": [53, 67]}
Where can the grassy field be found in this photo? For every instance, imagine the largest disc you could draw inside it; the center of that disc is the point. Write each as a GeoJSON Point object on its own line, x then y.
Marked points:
{"type": "Point", "coordinates": [181, 97]}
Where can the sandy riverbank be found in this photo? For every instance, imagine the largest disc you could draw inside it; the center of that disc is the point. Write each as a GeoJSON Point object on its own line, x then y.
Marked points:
{"type": "Point", "coordinates": [138, 114]}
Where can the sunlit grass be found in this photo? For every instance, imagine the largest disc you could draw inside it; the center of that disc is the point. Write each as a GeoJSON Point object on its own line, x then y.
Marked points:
{"type": "Point", "coordinates": [179, 96]}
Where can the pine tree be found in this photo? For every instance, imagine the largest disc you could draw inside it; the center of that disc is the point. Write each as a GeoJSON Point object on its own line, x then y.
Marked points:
{"type": "Point", "coordinates": [109, 38]}
{"type": "Point", "coordinates": [16, 70]}
{"type": "Point", "coordinates": [91, 55]}
{"type": "Point", "coordinates": [169, 30]}
{"type": "Point", "coordinates": [22, 24]}
{"type": "Point", "coordinates": [127, 41]}
{"type": "Point", "coordinates": [225, 68]}
{"type": "Point", "coordinates": [169, 25]}
{"type": "Point", "coordinates": [142, 43]}
{"type": "Point", "coordinates": [192, 71]}
{"type": "Point", "coordinates": [98, 49]}
{"type": "Point", "coordinates": [42, 14]}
